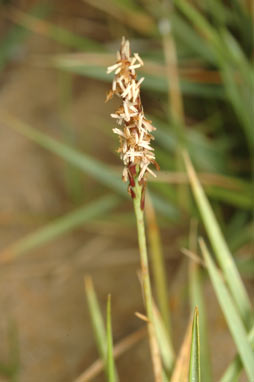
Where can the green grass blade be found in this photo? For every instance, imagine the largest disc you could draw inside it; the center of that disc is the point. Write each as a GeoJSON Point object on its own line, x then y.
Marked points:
{"type": "Point", "coordinates": [60, 226]}
{"type": "Point", "coordinates": [96, 318]}
{"type": "Point", "coordinates": [153, 82]}
{"type": "Point", "coordinates": [164, 342]}
{"type": "Point", "coordinates": [188, 36]}
{"type": "Point", "coordinates": [243, 199]}
{"type": "Point", "coordinates": [89, 165]}
{"type": "Point", "coordinates": [196, 285]}
{"type": "Point", "coordinates": [84, 162]}
{"type": "Point", "coordinates": [201, 23]}
{"type": "Point", "coordinates": [210, 154]}
{"type": "Point", "coordinates": [231, 314]}
{"type": "Point", "coordinates": [229, 58]}
{"type": "Point", "coordinates": [197, 299]}
{"type": "Point", "coordinates": [233, 371]}
{"type": "Point", "coordinates": [194, 371]}
{"type": "Point", "coordinates": [110, 363]}
{"type": "Point", "coordinates": [103, 335]}
{"type": "Point", "coordinates": [219, 245]}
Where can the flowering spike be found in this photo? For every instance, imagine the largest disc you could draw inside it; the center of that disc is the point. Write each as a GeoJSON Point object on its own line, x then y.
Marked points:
{"type": "Point", "coordinates": [135, 135]}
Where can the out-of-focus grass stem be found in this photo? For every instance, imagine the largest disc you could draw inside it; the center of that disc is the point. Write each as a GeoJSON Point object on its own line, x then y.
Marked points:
{"type": "Point", "coordinates": [72, 174]}
{"type": "Point", "coordinates": [174, 93]}
{"type": "Point", "coordinates": [175, 100]}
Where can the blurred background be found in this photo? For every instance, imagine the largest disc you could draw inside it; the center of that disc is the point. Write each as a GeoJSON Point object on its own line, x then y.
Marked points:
{"type": "Point", "coordinates": [64, 212]}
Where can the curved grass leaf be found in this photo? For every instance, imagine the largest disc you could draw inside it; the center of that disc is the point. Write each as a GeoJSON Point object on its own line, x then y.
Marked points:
{"type": "Point", "coordinates": [243, 199]}
{"type": "Point", "coordinates": [58, 227]}
{"type": "Point", "coordinates": [194, 371]}
{"type": "Point", "coordinates": [89, 165]}
{"type": "Point", "coordinates": [209, 154]}
{"type": "Point", "coordinates": [184, 32]}
{"type": "Point", "coordinates": [219, 245]}
{"type": "Point", "coordinates": [152, 82]}
{"type": "Point", "coordinates": [84, 162]}
{"type": "Point", "coordinates": [230, 59]}
{"type": "Point", "coordinates": [231, 314]}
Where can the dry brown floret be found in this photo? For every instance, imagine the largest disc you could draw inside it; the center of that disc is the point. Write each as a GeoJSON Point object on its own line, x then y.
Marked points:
{"type": "Point", "coordinates": [135, 130]}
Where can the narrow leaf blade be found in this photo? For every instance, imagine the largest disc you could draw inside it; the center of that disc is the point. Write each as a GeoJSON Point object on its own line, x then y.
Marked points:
{"type": "Point", "coordinates": [219, 245]}
{"type": "Point", "coordinates": [197, 298]}
{"type": "Point", "coordinates": [59, 227]}
{"type": "Point", "coordinates": [96, 318]}
{"type": "Point", "coordinates": [194, 371]}
{"type": "Point", "coordinates": [84, 162]}
{"type": "Point", "coordinates": [231, 314]}
{"type": "Point", "coordinates": [110, 363]}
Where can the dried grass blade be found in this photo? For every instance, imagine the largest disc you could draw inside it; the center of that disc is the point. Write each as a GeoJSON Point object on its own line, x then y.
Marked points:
{"type": "Point", "coordinates": [181, 370]}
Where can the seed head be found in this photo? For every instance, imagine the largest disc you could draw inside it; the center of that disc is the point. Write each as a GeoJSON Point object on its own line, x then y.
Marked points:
{"type": "Point", "coordinates": [134, 129]}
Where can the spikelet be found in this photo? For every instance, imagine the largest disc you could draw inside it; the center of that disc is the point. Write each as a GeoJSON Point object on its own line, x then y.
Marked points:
{"type": "Point", "coordinates": [134, 130]}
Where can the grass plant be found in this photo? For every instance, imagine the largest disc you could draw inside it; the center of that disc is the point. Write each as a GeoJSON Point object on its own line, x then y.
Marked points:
{"type": "Point", "coordinates": [199, 86]}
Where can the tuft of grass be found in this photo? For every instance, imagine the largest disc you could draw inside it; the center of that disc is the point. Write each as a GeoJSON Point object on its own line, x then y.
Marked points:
{"type": "Point", "coordinates": [214, 43]}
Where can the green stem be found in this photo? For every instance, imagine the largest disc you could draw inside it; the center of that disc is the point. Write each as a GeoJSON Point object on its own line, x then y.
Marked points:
{"type": "Point", "coordinates": [154, 348]}
{"type": "Point", "coordinates": [143, 251]}
{"type": "Point", "coordinates": [158, 265]}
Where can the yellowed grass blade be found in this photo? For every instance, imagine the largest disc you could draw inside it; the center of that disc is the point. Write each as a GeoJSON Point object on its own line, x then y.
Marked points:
{"type": "Point", "coordinates": [181, 370]}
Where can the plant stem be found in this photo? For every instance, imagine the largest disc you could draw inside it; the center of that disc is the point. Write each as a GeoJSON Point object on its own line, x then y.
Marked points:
{"type": "Point", "coordinates": [154, 348]}
{"type": "Point", "coordinates": [158, 265]}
